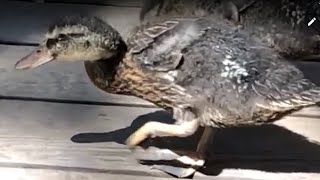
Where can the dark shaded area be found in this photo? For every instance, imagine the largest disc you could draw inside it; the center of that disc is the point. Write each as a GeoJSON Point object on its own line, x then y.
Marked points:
{"type": "Point", "coordinates": [267, 148]}
{"type": "Point", "coordinates": [123, 3]}
{"type": "Point", "coordinates": [310, 70]}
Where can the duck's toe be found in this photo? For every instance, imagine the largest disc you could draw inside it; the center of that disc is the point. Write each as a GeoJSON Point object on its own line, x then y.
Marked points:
{"type": "Point", "coordinates": [181, 167]}
{"type": "Point", "coordinates": [180, 172]}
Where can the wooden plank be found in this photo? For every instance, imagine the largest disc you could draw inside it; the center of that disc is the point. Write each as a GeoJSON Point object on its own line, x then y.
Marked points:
{"type": "Point", "coordinates": [41, 174]}
{"type": "Point", "coordinates": [37, 135]}
{"type": "Point", "coordinates": [305, 122]}
{"type": "Point", "coordinates": [27, 22]}
{"type": "Point", "coordinates": [56, 80]}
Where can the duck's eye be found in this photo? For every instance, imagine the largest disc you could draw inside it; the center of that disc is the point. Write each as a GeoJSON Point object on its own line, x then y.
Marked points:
{"type": "Point", "coordinates": [62, 37]}
{"type": "Point", "coordinates": [51, 42]}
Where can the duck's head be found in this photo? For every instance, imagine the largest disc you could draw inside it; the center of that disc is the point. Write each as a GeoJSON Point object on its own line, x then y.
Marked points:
{"type": "Point", "coordinates": [75, 39]}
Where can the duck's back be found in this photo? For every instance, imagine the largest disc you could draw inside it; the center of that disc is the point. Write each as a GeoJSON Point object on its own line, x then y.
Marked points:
{"type": "Point", "coordinates": [237, 72]}
{"type": "Point", "coordinates": [224, 68]}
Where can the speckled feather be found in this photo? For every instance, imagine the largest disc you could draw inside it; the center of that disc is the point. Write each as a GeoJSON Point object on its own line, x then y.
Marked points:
{"type": "Point", "coordinates": [160, 44]}
{"type": "Point", "coordinates": [225, 77]}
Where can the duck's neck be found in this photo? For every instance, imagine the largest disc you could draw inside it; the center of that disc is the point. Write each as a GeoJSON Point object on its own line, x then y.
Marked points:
{"type": "Point", "coordinates": [103, 73]}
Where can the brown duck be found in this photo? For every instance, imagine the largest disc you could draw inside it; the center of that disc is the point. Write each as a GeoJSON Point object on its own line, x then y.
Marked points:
{"type": "Point", "coordinates": [203, 70]}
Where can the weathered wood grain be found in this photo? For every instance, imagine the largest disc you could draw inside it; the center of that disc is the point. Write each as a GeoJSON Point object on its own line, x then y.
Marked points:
{"type": "Point", "coordinates": [43, 136]}
{"type": "Point", "coordinates": [41, 174]}
{"type": "Point", "coordinates": [27, 22]}
{"type": "Point", "coordinates": [39, 133]}
{"type": "Point", "coordinates": [56, 80]}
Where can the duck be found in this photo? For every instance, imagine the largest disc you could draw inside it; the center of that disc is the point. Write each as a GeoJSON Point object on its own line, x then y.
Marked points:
{"type": "Point", "coordinates": [282, 25]}
{"type": "Point", "coordinates": [202, 70]}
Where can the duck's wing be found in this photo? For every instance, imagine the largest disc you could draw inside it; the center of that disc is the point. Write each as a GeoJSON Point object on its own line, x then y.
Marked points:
{"type": "Point", "coordinates": [159, 46]}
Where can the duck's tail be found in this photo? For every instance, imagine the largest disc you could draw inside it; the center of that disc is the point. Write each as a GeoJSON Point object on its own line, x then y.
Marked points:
{"type": "Point", "coordinates": [313, 94]}
{"type": "Point", "coordinates": [294, 95]}
{"type": "Point", "coordinates": [308, 97]}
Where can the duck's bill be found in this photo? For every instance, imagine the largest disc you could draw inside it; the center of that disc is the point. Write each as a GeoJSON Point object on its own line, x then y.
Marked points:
{"type": "Point", "coordinates": [38, 57]}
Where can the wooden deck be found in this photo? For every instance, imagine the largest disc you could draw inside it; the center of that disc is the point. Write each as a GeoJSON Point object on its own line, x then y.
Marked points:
{"type": "Point", "coordinates": [46, 111]}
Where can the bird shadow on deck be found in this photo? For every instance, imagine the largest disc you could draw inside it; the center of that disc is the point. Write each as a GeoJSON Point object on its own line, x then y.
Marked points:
{"type": "Point", "coordinates": [267, 148]}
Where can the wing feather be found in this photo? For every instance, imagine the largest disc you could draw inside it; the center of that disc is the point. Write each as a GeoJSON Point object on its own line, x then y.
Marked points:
{"type": "Point", "coordinates": [159, 46]}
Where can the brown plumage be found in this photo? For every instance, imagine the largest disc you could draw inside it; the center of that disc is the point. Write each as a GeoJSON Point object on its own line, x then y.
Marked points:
{"type": "Point", "coordinates": [204, 70]}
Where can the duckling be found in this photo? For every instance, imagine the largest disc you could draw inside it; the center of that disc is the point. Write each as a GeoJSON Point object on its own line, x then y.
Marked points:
{"type": "Point", "coordinates": [202, 70]}
{"type": "Point", "coordinates": [280, 24]}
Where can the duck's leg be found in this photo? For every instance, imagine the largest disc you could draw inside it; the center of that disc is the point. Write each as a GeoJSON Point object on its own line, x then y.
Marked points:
{"type": "Point", "coordinates": [197, 160]}
{"type": "Point", "coordinates": [158, 129]}
{"type": "Point", "coordinates": [194, 161]}
{"type": "Point", "coordinates": [205, 141]}
{"type": "Point", "coordinates": [185, 126]}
